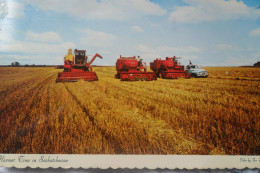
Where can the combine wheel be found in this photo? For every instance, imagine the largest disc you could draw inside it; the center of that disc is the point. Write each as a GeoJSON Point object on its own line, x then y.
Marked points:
{"type": "Point", "coordinates": [188, 76]}
{"type": "Point", "coordinates": [162, 74]}
{"type": "Point", "coordinates": [193, 75]}
{"type": "Point", "coordinates": [117, 76]}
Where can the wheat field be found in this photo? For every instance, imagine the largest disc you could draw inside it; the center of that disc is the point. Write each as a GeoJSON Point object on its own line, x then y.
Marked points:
{"type": "Point", "coordinates": [218, 115]}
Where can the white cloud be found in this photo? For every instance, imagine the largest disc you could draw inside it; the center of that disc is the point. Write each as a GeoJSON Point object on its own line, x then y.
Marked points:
{"type": "Point", "coordinates": [9, 10]}
{"type": "Point", "coordinates": [6, 35]}
{"type": "Point", "coordinates": [14, 9]}
{"type": "Point", "coordinates": [100, 9]}
{"type": "Point", "coordinates": [97, 38]}
{"type": "Point", "coordinates": [256, 56]}
{"type": "Point", "coordinates": [255, 32]}
{"type": "Point", "coordinates": [179, 50]}
{"type": "Point", "coordinates": [204, 10]}
{"type": "Point", "coordinates": [146, 7]}
{"type": "Point", "coordinates": [27, 52]}
{"type": "Point", "coordinates": [224, 46]}
{"type": "Point", "coordinates": [237, 61]}
{"type": "Point", "coordinates": [37, 48]}
{"type": "Point", "coordinates": [165, 51]}
{"type": "Point", "coordinates": [155, 25]}
{"type": "Point", "coordinates": [50, 37]}
{"type": "Point", "coordinates": [137, 28]}
{"type": "Point", "coordinates": [31, 59]}
{"type": "Point", "coordinates": [9, 58]}
{"type": "Point", "coordinates": [3, 10]}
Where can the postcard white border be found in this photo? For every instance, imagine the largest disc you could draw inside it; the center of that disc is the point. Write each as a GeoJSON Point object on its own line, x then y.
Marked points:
{"type": "Point", "coordinates": [129, 161]}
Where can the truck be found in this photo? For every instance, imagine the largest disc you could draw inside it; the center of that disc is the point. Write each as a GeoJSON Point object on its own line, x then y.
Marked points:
{"type": "Point", "coordinates": [196, 71]}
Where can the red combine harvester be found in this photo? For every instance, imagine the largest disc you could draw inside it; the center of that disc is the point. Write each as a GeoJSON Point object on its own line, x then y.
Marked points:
{"type": "Point", "coordinates": [78, 68]}
{"type": "Point", "coordinates": [169, 68]}
{"type": "Point", "coordinates": [130, 69]}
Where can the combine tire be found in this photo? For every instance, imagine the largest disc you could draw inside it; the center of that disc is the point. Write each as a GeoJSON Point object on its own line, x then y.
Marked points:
{"type": "Point", "coordinates": [162, 74]}
{"type": "Point", "coordinates": [117, 76]}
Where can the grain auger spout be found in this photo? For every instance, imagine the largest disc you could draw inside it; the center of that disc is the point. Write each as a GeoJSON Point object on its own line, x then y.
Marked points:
{"type": "Point", "coordinates": [94, 57]}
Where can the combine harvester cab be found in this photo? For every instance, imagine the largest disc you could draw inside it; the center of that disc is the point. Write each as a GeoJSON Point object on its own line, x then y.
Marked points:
{"type": "Point", "coordinates": [169, 68]}
{"type": "Point", "coordinates": [132, 69]}
{"type": "Point", "coordinates": [79, 68]}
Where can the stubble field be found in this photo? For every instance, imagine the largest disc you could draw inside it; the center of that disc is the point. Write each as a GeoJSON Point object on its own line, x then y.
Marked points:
{"type": "Point", "coordinates": [215, 115]}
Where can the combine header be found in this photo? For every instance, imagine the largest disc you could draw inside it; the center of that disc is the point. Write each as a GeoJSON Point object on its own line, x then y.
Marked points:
{"type": "Point", "coordinates": [132, 69]}
{"type": "Point", "coordinates": [169, 68]}
{"type": "Point", "coordinates": [77, 67]}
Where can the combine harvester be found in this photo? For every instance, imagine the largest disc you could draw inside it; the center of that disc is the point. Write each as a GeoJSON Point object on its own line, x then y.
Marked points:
{"type": "Point", "coordinates": [132, 69]}
{"type": "Point", "coordinates": [77, 68]}
{"type": "Point", "coordinates": [169, 68]}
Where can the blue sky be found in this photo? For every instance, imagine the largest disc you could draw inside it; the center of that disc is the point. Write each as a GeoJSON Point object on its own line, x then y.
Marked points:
{"type": "Point", "coordinates": [208, 32]}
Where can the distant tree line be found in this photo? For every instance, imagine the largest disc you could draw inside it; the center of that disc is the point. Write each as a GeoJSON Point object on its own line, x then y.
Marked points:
{"type": "Point", "coordinates": [26, 65]}
{"type": "Point", "coordinates": [17, 64]}
{"type": "Point", "coordinates": [257, 64]}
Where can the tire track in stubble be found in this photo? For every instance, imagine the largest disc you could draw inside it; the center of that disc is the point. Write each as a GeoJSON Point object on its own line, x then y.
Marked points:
{"type": "Point", "coordinates": [142, 102]}
{"type": "Point", "coordinates": [22, 130]}
{"type": "Point", "coordinates": [15, 91]}
{"type": "Point", "coordinates": [169, 133]}
{"type": "Point", "coordinates": [16, 88]}
{"type": "Point", "coordinates": [111, 139]}
{"type": "Point", "coordinates": [127, 89]}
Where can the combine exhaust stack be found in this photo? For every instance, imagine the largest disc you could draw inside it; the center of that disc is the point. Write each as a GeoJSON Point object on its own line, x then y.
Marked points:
{"type": "Point", "coordinates": [132, 69]}
{"type": "Point", "coordinates": [77, 68]}
{"type": "Point", "coordinates": [169, 68]}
